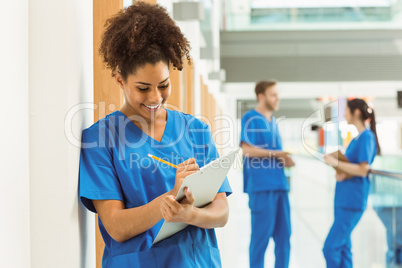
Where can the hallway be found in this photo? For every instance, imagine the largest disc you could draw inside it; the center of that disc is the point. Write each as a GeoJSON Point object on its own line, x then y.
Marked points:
{"type": "Point", "coordinates": [311, 201]}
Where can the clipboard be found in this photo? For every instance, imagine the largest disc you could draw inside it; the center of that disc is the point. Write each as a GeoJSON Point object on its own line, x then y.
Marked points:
{"type": "Point", "coordinates": [341, 157]}
{"type": "Point", "coordinates": [204, 185]}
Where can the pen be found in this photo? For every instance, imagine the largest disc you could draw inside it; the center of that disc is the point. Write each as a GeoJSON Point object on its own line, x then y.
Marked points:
{"type": "Point", "coordinates": [161, 160]}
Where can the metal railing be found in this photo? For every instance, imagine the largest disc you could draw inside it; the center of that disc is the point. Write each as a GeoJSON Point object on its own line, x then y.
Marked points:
{"type": "Point", "coordinates": [395, 175]}
{"type": "Point", "coordinates": [386, 198]}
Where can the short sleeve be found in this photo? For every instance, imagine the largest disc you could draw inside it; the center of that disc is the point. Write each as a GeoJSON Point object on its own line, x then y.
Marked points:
{"type": "Point", "coordinates": [278, 141]}
{"type": "Point", "coordinates": [278, 145]}
{"type": "Point", "coordinates": [97, 174]}
{"type": "Point", "coordinates": [367, 148]}
{"type": "Point", "coordinates": [212, 154]}
{"type": "Point", "coordinates": [247, 134]}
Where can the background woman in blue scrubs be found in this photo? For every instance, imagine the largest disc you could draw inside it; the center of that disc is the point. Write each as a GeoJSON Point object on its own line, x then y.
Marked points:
{"type": "Point", "coordinates": [131, 192]}
{"type": "Point", "coordinates": [351, 193]}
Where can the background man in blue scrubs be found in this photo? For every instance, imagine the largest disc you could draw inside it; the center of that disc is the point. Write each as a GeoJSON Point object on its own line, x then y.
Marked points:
{"type": "Point", "coordinates": [264, 178]}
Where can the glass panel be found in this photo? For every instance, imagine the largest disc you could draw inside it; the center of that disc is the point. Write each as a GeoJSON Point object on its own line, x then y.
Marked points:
{"type": "Point", "coordinates": [387, 202]}
{"type": "Point", "coordinates": [293, 14]}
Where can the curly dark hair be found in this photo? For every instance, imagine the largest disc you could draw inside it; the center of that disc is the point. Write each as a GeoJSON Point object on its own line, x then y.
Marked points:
{"type": "Point", "coordinates": [141, 34]}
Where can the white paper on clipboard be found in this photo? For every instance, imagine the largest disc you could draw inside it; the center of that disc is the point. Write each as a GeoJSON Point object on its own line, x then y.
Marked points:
{"type": "Point", "coordinates": [204, 184]}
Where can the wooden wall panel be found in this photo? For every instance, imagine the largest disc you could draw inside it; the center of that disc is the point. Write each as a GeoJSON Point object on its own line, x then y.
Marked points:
{"type": "Point", "coordinates": [205, 103]}
{"type": "Point", "coordinates": [188, 88]}
{"type": "Point", "coordinates": [175, 101]}
{"type": "Point", "coordinates": [219, 137]}
{"type": "Point", "coordinates": [211, 111]}
{"type": "Point", "coordinates": [202, 100]}
{"type": "Point", "coordinates": [108, 97]}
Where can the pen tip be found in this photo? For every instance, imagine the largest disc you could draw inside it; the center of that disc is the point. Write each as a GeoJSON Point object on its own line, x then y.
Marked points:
{"type": "Point", "coordinates": [150, 155]}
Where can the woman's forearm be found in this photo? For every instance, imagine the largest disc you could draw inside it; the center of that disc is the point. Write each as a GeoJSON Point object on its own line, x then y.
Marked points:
{"type": "Point", "coordinates": [123, 224]}
{"type": "Point", "coordinates": [213, 215]}
{"type": "Point", "coordinates": [360, 170]}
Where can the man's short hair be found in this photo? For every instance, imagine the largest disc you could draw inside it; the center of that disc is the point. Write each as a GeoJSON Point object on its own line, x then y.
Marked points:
{"type": "Point", "coordinates": [263, 85]}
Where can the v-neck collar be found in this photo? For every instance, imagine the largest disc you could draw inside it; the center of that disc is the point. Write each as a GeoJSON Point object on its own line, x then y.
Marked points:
{"type": "Point", "coordinates": [260, 114]}
{"type": "Point", "coordinates": [166, 133]}
{"type": "Point", "coordinates": [359, 135]}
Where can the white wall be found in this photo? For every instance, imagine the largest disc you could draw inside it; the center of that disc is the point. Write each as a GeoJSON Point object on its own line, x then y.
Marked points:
{"type": "Point", "coordinates": [60, 76]}
{"type": "Point", "coordinates": [14, 163]}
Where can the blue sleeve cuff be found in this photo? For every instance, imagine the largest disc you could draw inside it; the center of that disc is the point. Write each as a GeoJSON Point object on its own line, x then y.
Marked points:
{"type": "Point", "coordinates": [225, 188]}
{"type": "Point", "coordinates": [87, 197]}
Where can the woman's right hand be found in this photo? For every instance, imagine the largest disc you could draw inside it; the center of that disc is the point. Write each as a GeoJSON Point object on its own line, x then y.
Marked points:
{"type": "Point", "coordinates": [285, 158]}
{"type": "Point", "coordinates": [184, 169]}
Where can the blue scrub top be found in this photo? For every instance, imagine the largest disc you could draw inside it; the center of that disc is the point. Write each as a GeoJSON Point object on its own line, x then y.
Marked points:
{"type": "Point", "coordinates": [353, 193]}
{"type": "Point", "coordinates": [114, 165]}
{"type": "Point", "coordinates": [262, 174]}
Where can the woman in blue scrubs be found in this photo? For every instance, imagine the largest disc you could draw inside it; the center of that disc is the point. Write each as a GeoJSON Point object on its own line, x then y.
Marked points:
{"type": "Point", "coordinates": [132, 193]}
{"type": "Point", "coordinates": [352, 187]}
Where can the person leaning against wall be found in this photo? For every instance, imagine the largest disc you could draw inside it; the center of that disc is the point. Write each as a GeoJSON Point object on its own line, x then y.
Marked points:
{"type": "Point", "coordinates": [264, 178]}
{"type": "Point", "coordinates": [352, 187]}
{"type": "Point", "coordinates": [131, 193]}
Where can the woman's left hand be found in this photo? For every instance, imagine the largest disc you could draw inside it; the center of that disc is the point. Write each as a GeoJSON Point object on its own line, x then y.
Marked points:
{"type": "Point", "coordinates": [330, 160]}
{"type": "Point", "coordinates": [173, 211]}
{"type": "Point", "coordinates": [340, 176]}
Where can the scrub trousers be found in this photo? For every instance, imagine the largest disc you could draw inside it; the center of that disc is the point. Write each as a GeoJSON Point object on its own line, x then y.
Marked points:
{"type": "Point", "coordinates": [337, 247]}
{"type": "Point", "coordinates": [390, 216]}
{"type": "Point", "coordinates": [270, 217]}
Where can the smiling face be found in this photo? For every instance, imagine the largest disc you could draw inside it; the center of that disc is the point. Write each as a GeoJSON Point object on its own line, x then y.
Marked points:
{"type": "Point", "coordinates": [146, 90]}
